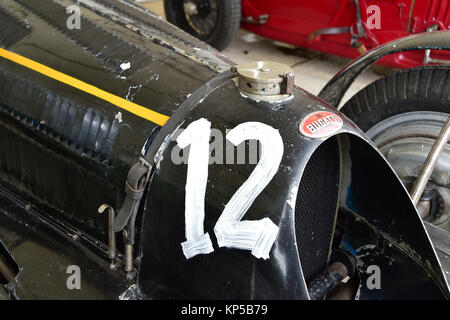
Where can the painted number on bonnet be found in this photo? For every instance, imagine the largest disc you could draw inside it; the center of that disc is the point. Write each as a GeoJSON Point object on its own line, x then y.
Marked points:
{"type": "Point", "coordinates": [197, 136]}
{"type": "Point", "coordinates": [256, 236]}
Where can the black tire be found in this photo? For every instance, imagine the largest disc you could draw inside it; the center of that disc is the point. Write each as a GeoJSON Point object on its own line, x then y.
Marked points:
{"type": "Point", "coordinates": [418, 89]}
{"type": "Point", "coordinates": [414, 105]}
{"type": "Point", "coordinates": [225, 28]}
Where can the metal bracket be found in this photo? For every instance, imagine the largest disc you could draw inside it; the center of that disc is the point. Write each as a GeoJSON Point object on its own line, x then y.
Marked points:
{"type": "Point", "coordinates": [112, 252]}
{"type": "Point", "coordinates": [427, 59]}
{"type": "Point", "coordinates": [262, 19]}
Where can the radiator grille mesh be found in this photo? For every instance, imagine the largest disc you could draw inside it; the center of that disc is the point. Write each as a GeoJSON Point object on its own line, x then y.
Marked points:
{"type": "Point", "coordinates": [316, 207]}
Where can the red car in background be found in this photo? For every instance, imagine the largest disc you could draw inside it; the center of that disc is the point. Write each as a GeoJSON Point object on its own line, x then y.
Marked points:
{"type": "Point", "coordinates": [345, 28]}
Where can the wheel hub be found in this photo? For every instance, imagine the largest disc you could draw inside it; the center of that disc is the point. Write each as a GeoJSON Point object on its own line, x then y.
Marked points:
{"type": "Point", "coordinates": [201, 15]}
{"type": "Point", "coordinates": [190, 8]}
{"type": "Point", "coordinates": [405, 140]}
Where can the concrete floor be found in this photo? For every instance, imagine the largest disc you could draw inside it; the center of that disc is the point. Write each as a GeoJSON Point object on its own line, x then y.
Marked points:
{"type": "Point", "coordinates": [312, 70]}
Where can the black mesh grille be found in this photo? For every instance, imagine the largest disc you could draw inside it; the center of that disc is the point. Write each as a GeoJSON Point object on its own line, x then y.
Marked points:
{"type": "Point", "coordinates": [316, 207]}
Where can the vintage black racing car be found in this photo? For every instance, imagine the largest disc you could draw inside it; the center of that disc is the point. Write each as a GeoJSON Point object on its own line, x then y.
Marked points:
{"type": "Point", "coordinates": [137, 162]}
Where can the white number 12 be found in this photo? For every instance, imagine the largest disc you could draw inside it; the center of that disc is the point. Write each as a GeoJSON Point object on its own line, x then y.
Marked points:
{"type": "Point", "coordinates": [256, 236]}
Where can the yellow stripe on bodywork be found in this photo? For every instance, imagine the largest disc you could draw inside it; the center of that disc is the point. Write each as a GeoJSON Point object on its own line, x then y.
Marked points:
{"type": "Point", "coordinates": [134, 108]}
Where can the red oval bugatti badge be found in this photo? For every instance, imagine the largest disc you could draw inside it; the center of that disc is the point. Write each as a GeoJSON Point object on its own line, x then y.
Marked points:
{"type": "Point", "coordinates": [320, 124]}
